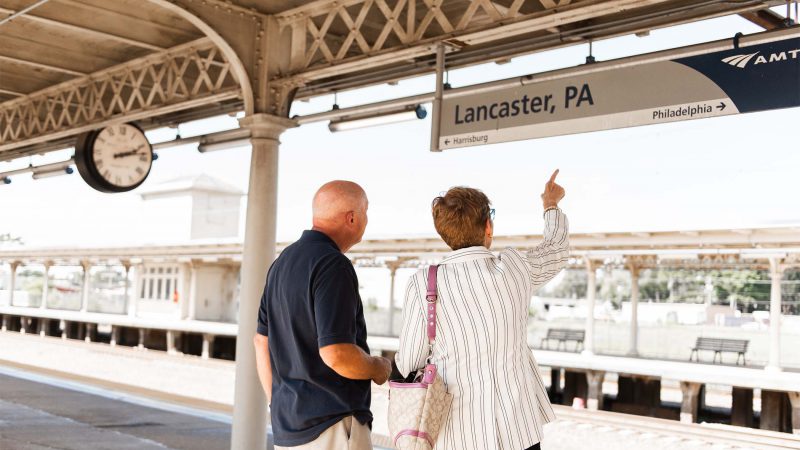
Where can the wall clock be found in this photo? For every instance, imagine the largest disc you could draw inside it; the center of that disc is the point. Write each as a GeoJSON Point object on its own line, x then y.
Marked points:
{"type": "Point", "coordinates": [116, 158]}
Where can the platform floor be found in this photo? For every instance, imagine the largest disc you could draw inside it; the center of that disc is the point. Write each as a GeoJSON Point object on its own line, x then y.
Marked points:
{"type": "Point", "coordinates": [121, 398]}
{"type": "Point", "coordinates": [36, 416]}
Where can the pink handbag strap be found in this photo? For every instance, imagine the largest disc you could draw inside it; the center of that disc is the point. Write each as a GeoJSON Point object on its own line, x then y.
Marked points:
{"type": "Point", "coordinates": [431, 298]}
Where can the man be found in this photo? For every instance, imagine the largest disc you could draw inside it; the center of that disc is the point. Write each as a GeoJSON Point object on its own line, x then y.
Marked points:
{"type": "Point", "coordinates": [311, 343]}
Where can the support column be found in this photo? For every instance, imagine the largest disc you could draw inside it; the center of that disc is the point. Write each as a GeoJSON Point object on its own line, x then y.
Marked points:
{"type": "Point", "coordinates": [594, 396]}
{"type": "Point", "coordinates": [392, 274]}
{"type": "Point", "coordinates": [208, 346]}
{"type": "Point", "coordinates": [43, 325]}
{"type": "Point", "coordinates": [134, 300]}
{"type": "Point", "coordinates": [634, 331]}
{"type": "Point", "coordinates": [591, 292]}
{"type": "Point", "coordinates": [64, 329]}
{"type": "Point", "coordinates": [794, 401]}
{"type": "Point", "coordinates": [776, 275]}
{"type": "Point", "coordinates": [86, 282]}
{"type": "Point", "coordinates": [4, 326]}
{"type": "Point", "coordinates": [127, 292]}
{"type": "Point", "coordinates": [13, 284]}
{"type": "Point", "coordinates": [249, 407]}
{"type": "Point", "coordinates": [192, 313]}
{"type": "Point", "coordinates": [141, 338]}
{"type": "Point", "coordinates": [690, 404]}
{"type": "Point", "coordinates": [23, 325]}
{"type": "Point", "coordinates": [45, 284]}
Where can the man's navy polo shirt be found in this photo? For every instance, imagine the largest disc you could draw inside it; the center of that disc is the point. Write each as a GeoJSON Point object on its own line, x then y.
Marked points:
{"type": "Point", "coordinates": [311, 300]}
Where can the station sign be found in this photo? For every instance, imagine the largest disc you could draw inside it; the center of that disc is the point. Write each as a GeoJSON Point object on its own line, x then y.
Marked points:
{"type": "Point", "coordinates": [739, 80]}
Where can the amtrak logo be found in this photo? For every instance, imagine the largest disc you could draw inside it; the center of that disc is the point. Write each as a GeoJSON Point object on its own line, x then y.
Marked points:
{"type": "Point", "coordinates": [739, 61]}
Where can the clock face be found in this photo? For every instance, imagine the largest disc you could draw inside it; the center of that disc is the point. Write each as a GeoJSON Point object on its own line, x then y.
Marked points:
{"type": "Point", "coordinates": [122, 156]}
{"type": "Point", "coordinates": [114, 159]}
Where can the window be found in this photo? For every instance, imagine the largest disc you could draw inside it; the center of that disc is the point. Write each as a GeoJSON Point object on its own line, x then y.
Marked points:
{"type": "Point", "coordinates": [160, 283]}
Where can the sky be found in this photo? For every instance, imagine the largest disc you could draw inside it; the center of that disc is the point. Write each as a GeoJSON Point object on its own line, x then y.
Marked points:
{"type": "Point", "coordinates": [729, 172]}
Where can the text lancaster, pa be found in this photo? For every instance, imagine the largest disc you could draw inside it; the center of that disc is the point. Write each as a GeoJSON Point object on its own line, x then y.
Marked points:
{"type": "Point", "coordinates": [574, 97]}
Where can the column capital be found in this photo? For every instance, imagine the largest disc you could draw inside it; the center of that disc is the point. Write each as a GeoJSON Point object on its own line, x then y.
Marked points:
{"type": "Point", "coordinates": [776, 267]}
{"type": "Point", "coordinates": [592, 264]}
{"type": "Point", "coordinates": [266, 126]}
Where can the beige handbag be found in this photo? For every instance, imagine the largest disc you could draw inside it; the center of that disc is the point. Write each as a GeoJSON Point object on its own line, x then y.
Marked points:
{"type": "Point", "coordinates": [418, 409]}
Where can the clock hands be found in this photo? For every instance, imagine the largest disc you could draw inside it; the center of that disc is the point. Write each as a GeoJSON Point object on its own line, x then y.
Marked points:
{"type": "Point", "coordinates": [133, 152]}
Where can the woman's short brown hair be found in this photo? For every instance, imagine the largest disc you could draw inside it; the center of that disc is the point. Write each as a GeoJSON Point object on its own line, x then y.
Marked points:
{"type": "Point", "coordinates": [460, 217]}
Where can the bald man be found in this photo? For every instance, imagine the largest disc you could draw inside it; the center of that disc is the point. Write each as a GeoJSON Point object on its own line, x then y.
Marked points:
{"type": "Point", "coordinates": [311, 343]}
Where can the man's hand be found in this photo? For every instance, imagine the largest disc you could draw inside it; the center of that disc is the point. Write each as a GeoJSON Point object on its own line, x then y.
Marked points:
{"type": "Point", "coordinates": [553, 192]}
{"type": "Point", "coordinates": [383, 369]}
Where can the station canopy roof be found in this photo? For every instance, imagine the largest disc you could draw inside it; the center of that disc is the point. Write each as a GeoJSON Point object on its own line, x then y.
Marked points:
{"type": "Point", "coordinates": [68, 66]}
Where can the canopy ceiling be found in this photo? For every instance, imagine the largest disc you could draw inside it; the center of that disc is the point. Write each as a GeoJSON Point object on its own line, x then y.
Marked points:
{"type": "Point", "coordinates": [71, 65]}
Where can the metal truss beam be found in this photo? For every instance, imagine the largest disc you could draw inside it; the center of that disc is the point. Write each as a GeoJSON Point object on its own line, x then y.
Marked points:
{"type": "Point", "coordinates": [81, 30]}
{"type": "Point", "coordinates": [407, 31]}
{"type": "Point", "coordinates": [349, 74]}
{"type": "Point", "coordinates": [42, 66]}
{"type": "Point", "coordinates": [765, 18]}
{"type": "Point", "coordinates": [184, 77]}
{"type": "Point", "coordinates": [14, 93]}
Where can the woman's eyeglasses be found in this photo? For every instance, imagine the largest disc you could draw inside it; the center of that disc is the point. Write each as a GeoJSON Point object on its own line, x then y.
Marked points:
{"type": "Point", "coordinates": [491, 214]}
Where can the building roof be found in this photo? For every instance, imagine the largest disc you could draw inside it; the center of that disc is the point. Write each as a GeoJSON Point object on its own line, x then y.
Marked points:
{"type": "Point", "coordinates": [709, 249]}
{"type": "Point", "coordinates": [192, 183]}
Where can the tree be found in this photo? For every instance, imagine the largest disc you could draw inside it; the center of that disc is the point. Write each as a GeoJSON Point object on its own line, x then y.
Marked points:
{"type": "Point", "coordinates": [7, 238]}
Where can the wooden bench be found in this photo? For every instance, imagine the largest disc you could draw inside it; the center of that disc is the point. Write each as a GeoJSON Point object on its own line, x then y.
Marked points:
{"type": "Point", "coordinates": [563, 335]}
{"type": "Point", "coordinates": [719, 345]}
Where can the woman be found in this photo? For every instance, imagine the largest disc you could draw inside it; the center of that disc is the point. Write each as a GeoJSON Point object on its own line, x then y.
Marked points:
{"type": "Point", "coordinates": [481, 349]}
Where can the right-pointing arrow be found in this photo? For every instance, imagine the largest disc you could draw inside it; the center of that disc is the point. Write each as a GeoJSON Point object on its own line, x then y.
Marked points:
{"type": "Point", "coordinates": [721, 106]}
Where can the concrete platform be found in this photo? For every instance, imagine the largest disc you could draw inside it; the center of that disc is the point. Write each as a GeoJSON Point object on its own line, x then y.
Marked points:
{"type": "Point", "coordinates": [36, 416]}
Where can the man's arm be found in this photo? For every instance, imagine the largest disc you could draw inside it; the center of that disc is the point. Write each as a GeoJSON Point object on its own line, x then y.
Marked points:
{"type": "Point", "coordinates": [552, 255]}
{"type": "Point", "coordinates": [263, 365]}
{"type": "Point", "coordinates": [351, 361]}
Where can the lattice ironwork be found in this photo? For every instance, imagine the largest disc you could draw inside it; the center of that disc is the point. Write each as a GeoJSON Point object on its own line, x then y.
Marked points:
{"type": "Point", "coordinates": [357, 28]}
{"type": "Point", "coordinates": [176, 79]}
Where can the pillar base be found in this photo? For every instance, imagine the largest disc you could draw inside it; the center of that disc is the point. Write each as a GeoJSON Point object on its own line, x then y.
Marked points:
{"type": "Point", "coordinates": [690, 405]}
{"type": "Point", "coordinates": [575, 387]}
{"type": "Point", "coordinates": [794, 402]}
{"type": "Point", "coordinates": [594, 395]}
{"type": "Point", "coordinates": [555, 382]}
{"type": "Point", "coordinates": [742, 407]}
{"type": "Point", "coordinates": [775, 411]}
{"type": "Point", "coordinates": [208, 346]}
{"type": "Point", "coordinates": [114, 336]}
{"type": "Point", "coordinates": [637, 395]}
{"type": "Point", "coordinates": [88, 336]}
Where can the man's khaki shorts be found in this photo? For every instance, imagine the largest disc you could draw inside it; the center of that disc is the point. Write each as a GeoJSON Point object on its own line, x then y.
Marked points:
{"type": "Point", "coordinates": [347, 434]}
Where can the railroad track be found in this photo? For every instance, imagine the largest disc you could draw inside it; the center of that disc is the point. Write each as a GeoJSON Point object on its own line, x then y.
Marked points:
{"type": "Point", "coordinates": [683, 435]}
